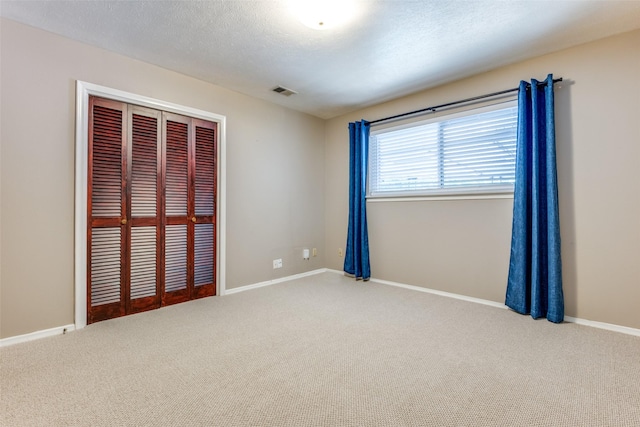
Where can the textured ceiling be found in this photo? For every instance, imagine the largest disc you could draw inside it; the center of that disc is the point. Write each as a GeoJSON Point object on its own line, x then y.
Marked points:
{"type": "Point", "coordinates": [391, 48]}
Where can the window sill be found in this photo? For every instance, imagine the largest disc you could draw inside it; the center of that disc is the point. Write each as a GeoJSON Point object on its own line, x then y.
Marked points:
{"type": "Point", "coordinates": [439, 197]}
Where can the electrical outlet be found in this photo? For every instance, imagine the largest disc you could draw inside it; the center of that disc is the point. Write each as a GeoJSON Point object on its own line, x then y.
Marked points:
{"type": "Point", "coordinates": [339, 252]}
{"type": "Point", "coordinates": [314, 252]}
{"type": "Point", "coordinates": [277, 263]}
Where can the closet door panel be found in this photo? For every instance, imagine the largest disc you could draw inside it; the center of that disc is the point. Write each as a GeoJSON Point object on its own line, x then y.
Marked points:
{"type": "Point", "coordinates": [106, 210]}
{"type": "Point", "coordinates": [144, 183]}
{"type": "Point", "coordinates": [204, 177]}
{"type": "Point", "coordinates": [177, 250]}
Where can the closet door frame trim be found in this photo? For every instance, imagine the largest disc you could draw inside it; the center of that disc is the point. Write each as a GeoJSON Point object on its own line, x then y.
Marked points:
{"type": "Point", "coordinates": [83, 91]}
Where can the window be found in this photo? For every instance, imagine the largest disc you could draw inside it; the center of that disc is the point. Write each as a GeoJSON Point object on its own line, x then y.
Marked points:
{"type": "Point", "coordinates": [469, 152]}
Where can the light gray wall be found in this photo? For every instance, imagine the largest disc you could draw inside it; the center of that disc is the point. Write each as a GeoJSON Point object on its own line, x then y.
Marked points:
{"type": "Point", "coordinates": [462, 246]}
{"type": "Point", "coordinates": [287, 181]}
{"type": "Point", "coordinates": [275, 172]}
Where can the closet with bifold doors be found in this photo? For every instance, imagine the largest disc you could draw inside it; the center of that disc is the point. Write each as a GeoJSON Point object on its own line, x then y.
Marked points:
{"type": "Point", "coordinates": [151, 209]}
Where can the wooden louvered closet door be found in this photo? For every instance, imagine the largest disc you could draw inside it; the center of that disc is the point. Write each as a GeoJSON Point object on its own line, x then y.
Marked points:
{"type": "Point", "coordinates": [190, 208]}
{"type": "Point", "coordinates": [107, 212]}
{"type": "Point", "coordinates": [176, 172]}
{"type": "Point", "coordinates": [144, 201]}
{"type": "Point", "coordinates": [204, 209]}
{"type": "Point", "coordinates": [151, 209]}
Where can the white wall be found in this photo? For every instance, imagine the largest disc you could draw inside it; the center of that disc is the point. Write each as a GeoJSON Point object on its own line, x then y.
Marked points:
{"type": "Point", "coordinates": [287, 181]}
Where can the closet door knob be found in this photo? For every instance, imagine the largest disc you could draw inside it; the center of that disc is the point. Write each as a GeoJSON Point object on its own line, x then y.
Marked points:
{"type": "Point", "coordinates": [123, 221]}
{"type": "Point", "coordinates": [193, 219]}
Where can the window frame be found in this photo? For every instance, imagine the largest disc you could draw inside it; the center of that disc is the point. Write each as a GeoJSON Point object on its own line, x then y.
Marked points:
{"type": "Point", "coordinates": [463, 192]}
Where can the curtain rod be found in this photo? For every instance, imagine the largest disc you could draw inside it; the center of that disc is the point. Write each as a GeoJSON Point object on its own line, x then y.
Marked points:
{"type": "Point", "coordinates": [464, 101]}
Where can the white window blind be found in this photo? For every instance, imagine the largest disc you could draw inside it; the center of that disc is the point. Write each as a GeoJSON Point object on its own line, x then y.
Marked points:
{"type": "Point", "coordinates": [474, 152]}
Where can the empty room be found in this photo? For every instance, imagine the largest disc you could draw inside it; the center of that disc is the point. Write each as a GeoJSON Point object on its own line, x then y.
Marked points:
{"type": "Point", "coordinates": [319, 213]}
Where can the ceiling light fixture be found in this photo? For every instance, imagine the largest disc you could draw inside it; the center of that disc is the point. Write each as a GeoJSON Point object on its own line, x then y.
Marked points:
{"type": "Point", "coordinates": [323, 14]}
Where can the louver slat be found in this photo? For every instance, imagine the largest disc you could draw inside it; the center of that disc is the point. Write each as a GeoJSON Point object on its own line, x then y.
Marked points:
{"type": "Point", "coordinates": [143, 262]}
{"type": "Point", "coordinates": [106, 195]}
{"type": "Point", "coordinates": [177, 165]}
{"type": "Point", "coordinates": [203, 256]}
{"type": "Point", "coordinates": [205, 171]}
{"type": "Point", "coordinates": [175, 258]}
{"type": "Point", "coordinates": [144, 166]}
{"type": "Point", "coordinates": [105, 265]}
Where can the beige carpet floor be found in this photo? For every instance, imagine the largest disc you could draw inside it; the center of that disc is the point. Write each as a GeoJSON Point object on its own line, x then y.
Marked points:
{"type": "Point", "coordinates": [324, 351]}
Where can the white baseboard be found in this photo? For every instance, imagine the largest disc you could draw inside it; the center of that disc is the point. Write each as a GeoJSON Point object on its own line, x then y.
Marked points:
{"type": "Point", "coordinates": [592, 323]}
{"type": "Point", "coordinates": [37, 335]}
{"type": "Point", "coordinates": [441, 293]}
{"type": "Point", "coordinates": [68, 328]}
{"type": "Point", "coordinates": [576, 320]}
{"type": "Point", "coordinates": [274, 281]}
{"type": "Point", "coordinates": [602, 325]}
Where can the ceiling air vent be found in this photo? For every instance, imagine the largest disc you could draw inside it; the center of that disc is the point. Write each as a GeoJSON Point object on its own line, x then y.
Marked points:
{"type": "Point", "coordinates": [284, 91]}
